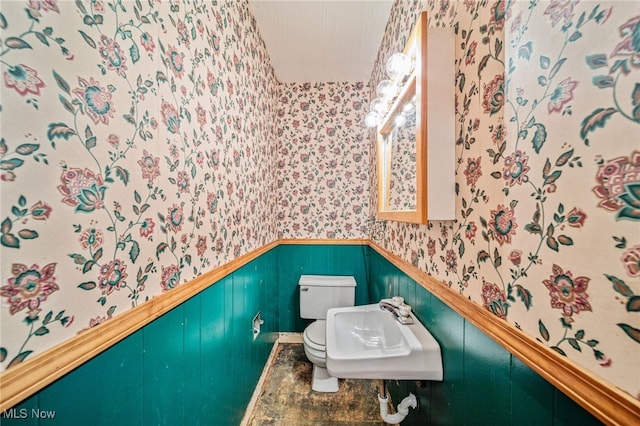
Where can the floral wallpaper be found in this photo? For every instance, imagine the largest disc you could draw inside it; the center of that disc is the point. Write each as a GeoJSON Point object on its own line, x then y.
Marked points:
{"type": "Point", "coordinates": [146, 142]}
{"type": "Point", "coordinates": [137, 152]}
{"type": "Point", "coordinates": [323, 155]}
{"type": "Point", "coordinates": [546, 234]}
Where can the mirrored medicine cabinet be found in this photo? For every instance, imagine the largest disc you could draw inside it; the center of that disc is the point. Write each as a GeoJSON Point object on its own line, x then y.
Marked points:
{"type": "Point", "coordinates": [416, 130]}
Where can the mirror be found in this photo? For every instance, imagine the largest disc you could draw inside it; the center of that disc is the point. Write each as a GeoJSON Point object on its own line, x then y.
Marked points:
{"type": "Point", "coordinates": [402, 141]}
{"type": "Point", "coordinates": [397, 139]}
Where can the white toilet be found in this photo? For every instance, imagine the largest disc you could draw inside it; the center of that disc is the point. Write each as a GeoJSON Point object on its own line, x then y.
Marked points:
{"type": "Point", "coordinates": [318, 294]}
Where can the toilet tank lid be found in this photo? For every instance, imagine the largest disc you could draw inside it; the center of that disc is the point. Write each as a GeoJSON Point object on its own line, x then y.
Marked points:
{"type": "Point", "coordinates": [327, 281]}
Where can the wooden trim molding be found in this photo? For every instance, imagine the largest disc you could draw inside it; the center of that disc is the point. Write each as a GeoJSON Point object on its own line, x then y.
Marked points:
{"type": "Point", "coordinates": [606, 402]}
{"type": "Point", "coordinates": [355, 241]}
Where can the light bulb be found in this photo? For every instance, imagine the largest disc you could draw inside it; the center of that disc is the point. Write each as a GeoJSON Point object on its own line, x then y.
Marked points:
{"type": "Point", "coordinates": [386, 89]}
{"type": "Point", "coordinates": [371, 119]}
{"type": "Point", "coordinates": [378, 105]}
{"type": "Point", "coordinates": [408, 108]}
{"type": "Point", "coordinates": [398, 65]}
{"type": "Point", "coordinates": [400, 120]}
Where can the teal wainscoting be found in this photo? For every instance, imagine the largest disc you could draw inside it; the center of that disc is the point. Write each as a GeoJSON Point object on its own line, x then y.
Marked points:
{"type": "Point", "coordinates": [196, 365]}
{"type": "Point", "coordinates": [483, 383]}
{"type": "Point", "coordinates": [316, 259]}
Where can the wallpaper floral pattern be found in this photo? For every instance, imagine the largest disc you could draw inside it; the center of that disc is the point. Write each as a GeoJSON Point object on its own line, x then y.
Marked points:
{"type": "Point", "coordinates": [146, 142]}
{"type": "Point", "coordinates": [137, 152]}
{"type": "Point", "coordinates": [322, 171]}
{"type": "Point", "coordinates": [546, 234]}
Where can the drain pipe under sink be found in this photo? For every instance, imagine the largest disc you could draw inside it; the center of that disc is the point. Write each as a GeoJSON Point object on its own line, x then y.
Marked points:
{"type": "Point", "coordinates": [403, 407]}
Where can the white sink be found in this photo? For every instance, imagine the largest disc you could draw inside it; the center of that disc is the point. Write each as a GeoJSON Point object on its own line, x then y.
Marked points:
{"type": "Point", "coordinates": [366, 342]}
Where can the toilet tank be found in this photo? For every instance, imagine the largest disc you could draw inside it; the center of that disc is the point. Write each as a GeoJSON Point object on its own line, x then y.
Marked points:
{"type": "Point", "coordinates": [319, 293]}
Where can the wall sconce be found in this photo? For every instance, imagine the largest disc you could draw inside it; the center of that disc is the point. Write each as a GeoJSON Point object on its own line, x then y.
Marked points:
{"type": "Point", "coordinates": [399, 67]}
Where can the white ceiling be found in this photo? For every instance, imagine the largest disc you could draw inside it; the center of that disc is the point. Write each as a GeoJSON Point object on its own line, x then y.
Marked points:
{"type": "Point", "coordinates": [322, 40]}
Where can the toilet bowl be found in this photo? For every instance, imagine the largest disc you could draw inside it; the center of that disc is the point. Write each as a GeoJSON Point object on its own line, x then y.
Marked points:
{"type": "Point", "coordinates": [314, 348]}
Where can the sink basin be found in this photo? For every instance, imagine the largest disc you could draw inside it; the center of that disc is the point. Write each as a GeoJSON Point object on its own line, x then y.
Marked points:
{"type": "Point", "coordinates": [366, 342]}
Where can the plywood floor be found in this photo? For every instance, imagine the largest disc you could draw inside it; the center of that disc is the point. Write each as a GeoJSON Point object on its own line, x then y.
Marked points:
{"type": "Point", "coordinates": [286, 398]}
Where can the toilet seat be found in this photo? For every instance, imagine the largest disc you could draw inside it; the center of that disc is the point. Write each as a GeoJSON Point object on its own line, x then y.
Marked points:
{"type": "Point", "coordinates": [315, 335]}
{"type": "Point", "coordinates": [314, 348]}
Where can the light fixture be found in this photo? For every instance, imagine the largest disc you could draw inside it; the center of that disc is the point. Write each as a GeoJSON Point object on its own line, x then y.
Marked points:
{"type": "Point", "coordinates": [398, 67]}
{"type": "Point", "coordinates": [372, 119]}
{"type": "Point", "coordinates": [387, 89]}
{"type": "Point", "coordinates": [378, 105]}
{"type": "Point", "coordinates": [400, 120]}
{"type": "Point", "coordinates": [409, 108]}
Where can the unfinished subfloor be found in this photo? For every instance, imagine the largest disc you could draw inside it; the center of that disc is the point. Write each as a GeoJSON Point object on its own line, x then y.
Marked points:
{"type": "Point", "coordinates": [285, 396]}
